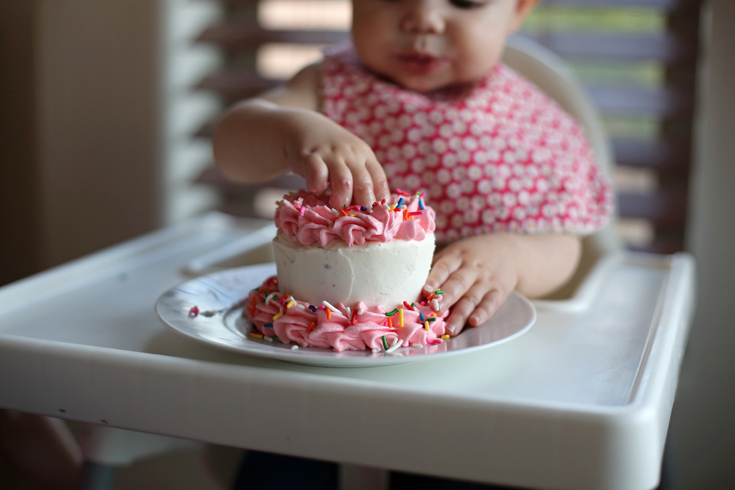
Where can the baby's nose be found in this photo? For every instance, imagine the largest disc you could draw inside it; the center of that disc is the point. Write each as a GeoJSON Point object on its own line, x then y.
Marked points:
{"type": "Point", "coordinates": [423, 17]}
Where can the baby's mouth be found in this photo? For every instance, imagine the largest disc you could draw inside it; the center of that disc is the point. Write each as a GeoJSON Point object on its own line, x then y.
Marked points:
{"type": "Point", "coordinates": [419, 63]}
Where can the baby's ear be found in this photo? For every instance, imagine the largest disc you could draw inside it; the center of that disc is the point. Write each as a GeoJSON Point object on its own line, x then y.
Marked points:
{"type": "Point", "coordinates": [522, 9]}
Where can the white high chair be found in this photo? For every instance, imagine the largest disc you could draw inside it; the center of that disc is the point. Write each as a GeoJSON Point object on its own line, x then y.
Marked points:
{"type": "Point", "coordinates": [114, 447]}
{"type": "Point", "coordinates": [553, 76]}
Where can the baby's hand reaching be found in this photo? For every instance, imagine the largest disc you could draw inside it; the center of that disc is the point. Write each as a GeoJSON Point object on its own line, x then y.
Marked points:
{"type": "Point", "coordinates": [476, 274]}
{"type": "Point", "coordinates": [327, 155]}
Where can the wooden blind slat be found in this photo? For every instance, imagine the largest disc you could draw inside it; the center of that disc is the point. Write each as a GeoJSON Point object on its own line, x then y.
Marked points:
{"type": "Point", "coordinates": [665, 5]}
{"type": "Point", "coordinates": [661, 246]}
{"type": "Point", "coordinates": [239, 35]}
{"type": "Point", "coordinates": [641, 101]}
{"type": "Point", "coordinates": [664, 207]}
{"type": "Point", "coordinates": [669, 47]}
{"type": "Point", "coordinates": [664, 156]}
{"type": "Point", "coordinates": [236, 85]}
{"type": "Point", "coordinates": [213, 177]}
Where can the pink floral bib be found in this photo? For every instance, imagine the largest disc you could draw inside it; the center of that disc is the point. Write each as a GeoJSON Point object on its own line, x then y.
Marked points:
{"type": "Point", "coordinates": [502, 157]}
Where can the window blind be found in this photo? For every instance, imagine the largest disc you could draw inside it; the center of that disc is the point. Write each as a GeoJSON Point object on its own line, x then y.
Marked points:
{"type": "Point", "coordinates": [637, 60]}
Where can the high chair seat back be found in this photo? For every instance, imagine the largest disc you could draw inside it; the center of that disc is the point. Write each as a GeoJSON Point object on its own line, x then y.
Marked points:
{"type": "Point", "coordinates": [554, 77]}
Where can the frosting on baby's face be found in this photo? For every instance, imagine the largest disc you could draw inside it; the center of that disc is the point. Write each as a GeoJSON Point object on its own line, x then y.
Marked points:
{"type": "Point", "coordinates": [425, 45]}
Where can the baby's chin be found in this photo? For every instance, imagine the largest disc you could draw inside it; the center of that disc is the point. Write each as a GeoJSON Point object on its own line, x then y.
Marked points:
{"type": "Point", "coordinates": [425, 84]}
{"type": "Point", "coordinates": [422, 84]}
{"type": "Point", "coordinates": [428, 86]}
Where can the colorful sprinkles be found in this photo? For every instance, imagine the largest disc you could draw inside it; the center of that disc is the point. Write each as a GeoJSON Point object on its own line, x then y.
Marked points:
{"type": "Point", "coordinates": [396, 344]}
{"type": "Point", "coordinates": [328, 305]}
{"type": "Point", "coordinates": [404, 201]}
{"type": "Point", "coordinates": [399, 325]}
{"type": "Point", "coordinates": [394, 320]}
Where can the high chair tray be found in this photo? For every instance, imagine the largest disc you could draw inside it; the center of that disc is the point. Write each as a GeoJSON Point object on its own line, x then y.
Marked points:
{"type": "Point", "coordinates": [582, 400]}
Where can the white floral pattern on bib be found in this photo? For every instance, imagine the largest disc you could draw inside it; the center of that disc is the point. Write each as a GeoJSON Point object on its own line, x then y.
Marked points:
{"type": "Point", "coordinates": [500, 157]}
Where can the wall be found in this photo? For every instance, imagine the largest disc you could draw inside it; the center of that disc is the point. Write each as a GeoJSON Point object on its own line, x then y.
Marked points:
{"type": "Point", "coordinates": [702, 434]}
{"type": "Point", "coordinates": [19, 214]}
{"type": "Point", "coordinates": [98, 109]}
{"type": "Point", "coordinates": [99, 133]}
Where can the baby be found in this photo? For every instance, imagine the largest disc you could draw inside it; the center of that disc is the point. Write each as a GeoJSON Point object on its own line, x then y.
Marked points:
{"type": "Point", "coordinates": [419, 100]}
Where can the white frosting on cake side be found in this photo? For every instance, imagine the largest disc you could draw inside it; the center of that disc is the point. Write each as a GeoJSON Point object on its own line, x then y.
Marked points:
{"type": "Point", "coordinates": [375, 273]}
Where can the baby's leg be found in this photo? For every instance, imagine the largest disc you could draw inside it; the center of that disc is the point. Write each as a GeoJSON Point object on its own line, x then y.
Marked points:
{"type": "Point", "coordinates": [267, 471]}
{"type": "Point", "coordinates": [407, 481]}
{"type": "Point", "coordinates": [41, 448]}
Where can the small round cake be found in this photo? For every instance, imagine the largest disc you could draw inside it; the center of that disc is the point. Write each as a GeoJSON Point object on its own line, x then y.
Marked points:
{"type": "Point", "coordinates": [350, 278]}
{"type": "Point", "coordinates": [374, 256]}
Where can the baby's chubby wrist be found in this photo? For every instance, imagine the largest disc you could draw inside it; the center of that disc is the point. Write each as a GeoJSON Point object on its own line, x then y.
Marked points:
{"type": "Point", "coordinates": [540, 262]}
{"type": "Point", "coordinates": [507, 251]}
{"type": "Point", "coordinates": [511, 250]}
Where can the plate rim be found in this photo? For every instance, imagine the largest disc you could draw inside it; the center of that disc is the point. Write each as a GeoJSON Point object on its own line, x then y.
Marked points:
{"type": "Point", "coordinates": [327, 359]}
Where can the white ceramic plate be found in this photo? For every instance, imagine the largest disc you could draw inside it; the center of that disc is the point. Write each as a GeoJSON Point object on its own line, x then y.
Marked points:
{"type": "Point", "coordinates": [220, 324]}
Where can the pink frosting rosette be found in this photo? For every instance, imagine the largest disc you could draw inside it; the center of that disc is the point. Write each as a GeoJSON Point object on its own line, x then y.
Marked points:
{"type": "Point", "coordinates": [289, 320]}
{"type": "Point", "coordinates": [311, 220]}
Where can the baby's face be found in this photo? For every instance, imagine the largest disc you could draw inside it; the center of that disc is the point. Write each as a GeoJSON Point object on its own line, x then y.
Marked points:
{"type": "Point", "coordinates": [425, 45]}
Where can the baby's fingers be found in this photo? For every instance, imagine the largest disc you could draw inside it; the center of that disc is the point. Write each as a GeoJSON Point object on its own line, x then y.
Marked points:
{"type": "Point", "coordinates": [368, 177]}
{"type": "Point", "coordinates": [487, 307]}
{"type": "Point", "coordinates": [379, 180]}
{"type": "Point", "coordinates": [340, 181]}
{"type": "Point", "coordinates": [363, 184]}
{"type": "Point", "coordinates": [315, 171]}
{"type": "Point", "coordinates": [464, 308]}
{"type": "Point", "coordinates": [443, 267]}
{"type": "Point", "coordinates": [457, 285]}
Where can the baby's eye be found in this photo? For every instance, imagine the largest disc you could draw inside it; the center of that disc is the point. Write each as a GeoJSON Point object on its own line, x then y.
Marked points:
{"type": "Point", "coordinates": [465, 4]}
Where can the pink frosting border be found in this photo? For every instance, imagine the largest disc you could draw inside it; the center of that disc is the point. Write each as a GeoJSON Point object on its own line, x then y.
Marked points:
{"type": "Point", "coordinates": [360, 328]}
{"type": "Point", "coordinates": [310, 220]}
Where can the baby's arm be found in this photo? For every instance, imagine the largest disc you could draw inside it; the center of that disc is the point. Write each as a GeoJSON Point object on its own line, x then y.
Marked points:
{"type": "Point", "coordinates": [262, 138]}
{"type": "Point", "coordinates": [479, 273]}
